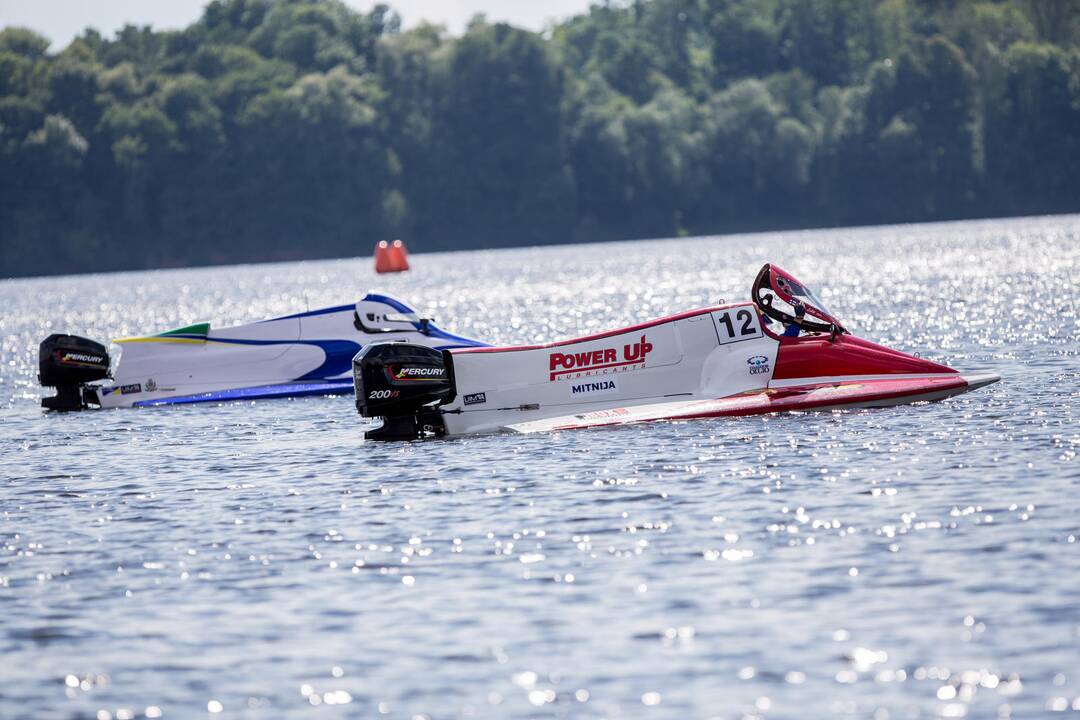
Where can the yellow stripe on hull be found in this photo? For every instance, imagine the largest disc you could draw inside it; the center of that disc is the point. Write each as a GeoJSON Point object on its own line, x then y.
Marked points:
{"type": "Point", "coordinates": [198, 341]}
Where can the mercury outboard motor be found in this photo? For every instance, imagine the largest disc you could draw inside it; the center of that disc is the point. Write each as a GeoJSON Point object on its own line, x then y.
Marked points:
{"type": "Point", "coordinates": [403, 384]}
{"type": "Point", "coordinates": [67, 363]}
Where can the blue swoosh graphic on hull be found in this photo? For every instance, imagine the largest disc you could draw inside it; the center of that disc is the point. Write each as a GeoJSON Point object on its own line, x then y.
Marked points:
{"type": "Point", "coordinates": [312, 313]}
{"type": "Point", "coordinates": [339, 355]}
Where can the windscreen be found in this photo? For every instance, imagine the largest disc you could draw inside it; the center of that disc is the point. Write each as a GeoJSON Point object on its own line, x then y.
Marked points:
{"type": "Point", "coordinates": [778, 294]}
{"type": "Point", "coordinates": [802, 293]}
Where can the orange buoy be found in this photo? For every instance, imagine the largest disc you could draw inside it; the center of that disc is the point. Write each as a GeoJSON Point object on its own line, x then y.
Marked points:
{"type": "Point", "coordinates": [391, 257]}
{"type": "Point", "coordinates": [398, 255]}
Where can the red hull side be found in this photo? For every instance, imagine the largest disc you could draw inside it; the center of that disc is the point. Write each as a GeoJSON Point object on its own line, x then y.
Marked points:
{"type": "Point", "coordinates": [845, 356]}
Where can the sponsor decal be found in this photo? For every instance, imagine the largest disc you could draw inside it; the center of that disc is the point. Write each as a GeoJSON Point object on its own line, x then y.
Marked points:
{"type": "Point", "coordinates": [475, 398]}
{"type": "Point", "coordinates": [77, 358]}
{"type": "Point", "coordinates": [130, 389]}
{"type": "Point", "coordinates": [604, 414]}
{"type": "Point", "coordinates": [405, 372]}
{"type": "Point", "coordinates": [563, 366]}
{"type": "Point", "coordinates": [150, 385]}
{"type": "Point", "coordinates": [759, 365]}
{"type": "Point", "coordinates": [594, 386]}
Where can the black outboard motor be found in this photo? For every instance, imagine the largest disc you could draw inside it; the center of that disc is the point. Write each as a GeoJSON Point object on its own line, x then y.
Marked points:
{"type": "Point", "coordinates": [67, 362]}
{"type": "Point", "coordinates": [403, 384]}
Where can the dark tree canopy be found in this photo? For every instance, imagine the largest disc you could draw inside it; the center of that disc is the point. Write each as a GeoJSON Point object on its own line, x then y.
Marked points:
{"type": "Point", "coordinates": [284, 129]}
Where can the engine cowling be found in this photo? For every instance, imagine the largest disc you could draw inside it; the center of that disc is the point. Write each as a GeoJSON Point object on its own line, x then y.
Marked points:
{"type": "Point", "coordinates": [403, 384]}
{"type": "Point", "coordinates": [67, 363]}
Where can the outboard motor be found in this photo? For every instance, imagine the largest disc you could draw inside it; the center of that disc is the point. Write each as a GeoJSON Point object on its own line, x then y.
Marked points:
{"type": "Point", "coordinates": [403, 384]}
{"type": "Point", "coordinates": [67, 363]}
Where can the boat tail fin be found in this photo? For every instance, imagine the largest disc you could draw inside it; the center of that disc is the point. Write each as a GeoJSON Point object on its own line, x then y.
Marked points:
{"type": "Point", "coordinates": [378, 313]}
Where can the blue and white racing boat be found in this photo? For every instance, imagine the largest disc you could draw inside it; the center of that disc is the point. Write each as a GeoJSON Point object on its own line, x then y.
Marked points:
{"type": "Point", "coordinates": [308, 353]}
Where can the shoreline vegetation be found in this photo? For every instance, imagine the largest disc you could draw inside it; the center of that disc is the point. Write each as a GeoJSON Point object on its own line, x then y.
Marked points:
{"type": "Point", "coordinates": [276, 130]}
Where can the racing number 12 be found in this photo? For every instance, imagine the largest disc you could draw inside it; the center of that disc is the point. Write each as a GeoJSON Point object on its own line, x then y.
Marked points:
{"type": "Point", "coordinates": [741, 328]}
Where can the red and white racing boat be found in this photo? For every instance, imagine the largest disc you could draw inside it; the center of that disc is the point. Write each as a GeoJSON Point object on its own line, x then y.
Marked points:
{"type": "Point", "coordinates": [780, 351]}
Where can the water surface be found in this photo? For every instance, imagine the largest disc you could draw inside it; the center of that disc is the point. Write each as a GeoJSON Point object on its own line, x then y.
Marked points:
{"type": "Point", "coordinates": [262, 560]}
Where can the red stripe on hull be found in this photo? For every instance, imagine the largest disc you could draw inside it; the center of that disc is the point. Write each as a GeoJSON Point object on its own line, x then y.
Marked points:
{"type": "Point", "coordinates": [808, 397]}
{"type": "Point", "coordinates": [812, 397]}
{"type": "Point", "coordinates": [599, 336]}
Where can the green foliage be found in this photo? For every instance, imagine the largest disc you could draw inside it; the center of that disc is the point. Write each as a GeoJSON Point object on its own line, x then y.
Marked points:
{"type": "Point", "coordinates": [1036, 125]}
{"type": "Point", "coordinates": [23, 42]}
{"type": "Point", "coordinates": [497, 156]}
{"type": "Point", "coordinates": [278, 129]}
{"type": "Point", "coordinates": [15, 74]}
{"type": "Point", "coordinates": [745, 41]}
{"type": "Point", "coordinates": [58, 143]}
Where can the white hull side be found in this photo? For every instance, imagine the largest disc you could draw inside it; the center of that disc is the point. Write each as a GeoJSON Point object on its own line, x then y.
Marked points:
{"type": "Point", "coordinates": [303, 354]}
{"type": "Point", "coordinates": [682, 358]}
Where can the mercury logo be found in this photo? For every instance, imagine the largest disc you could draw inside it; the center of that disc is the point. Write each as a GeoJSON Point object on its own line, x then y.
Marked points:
{"type": "Point", "coordinates": [79, 358]}
{"type": "Point", "coordinates": [419, 373]}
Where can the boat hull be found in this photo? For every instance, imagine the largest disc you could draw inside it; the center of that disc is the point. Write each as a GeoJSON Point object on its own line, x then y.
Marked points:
{"type": "Point", "coordinates": [297, 355]}
{"type": "Point", "coordinates": [713, 362]}
{"type": "Point", "coordinates": [821, 397]}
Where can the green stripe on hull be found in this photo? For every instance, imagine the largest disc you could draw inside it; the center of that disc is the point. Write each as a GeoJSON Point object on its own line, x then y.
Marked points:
{"type": "Point", "coordinates": [197, 329]}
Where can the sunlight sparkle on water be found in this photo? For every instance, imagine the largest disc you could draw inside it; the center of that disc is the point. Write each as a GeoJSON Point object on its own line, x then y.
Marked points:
{"type": "Point", "coordinates": [262, 560]}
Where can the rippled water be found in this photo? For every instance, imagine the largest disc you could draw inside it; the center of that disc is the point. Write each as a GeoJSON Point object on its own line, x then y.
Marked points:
{"type": "Point", "coordinates": [263, 560]}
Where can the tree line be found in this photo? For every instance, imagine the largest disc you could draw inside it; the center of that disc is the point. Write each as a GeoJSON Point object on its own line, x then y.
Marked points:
{"type": "Point", "coordinates": [286, 129]}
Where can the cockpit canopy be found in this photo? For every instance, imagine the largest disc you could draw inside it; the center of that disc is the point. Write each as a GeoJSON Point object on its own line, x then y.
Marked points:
{"type": "Point", "coordinates": [382, 314]}
{"type": "Point", "coordinates": [778, 293]}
